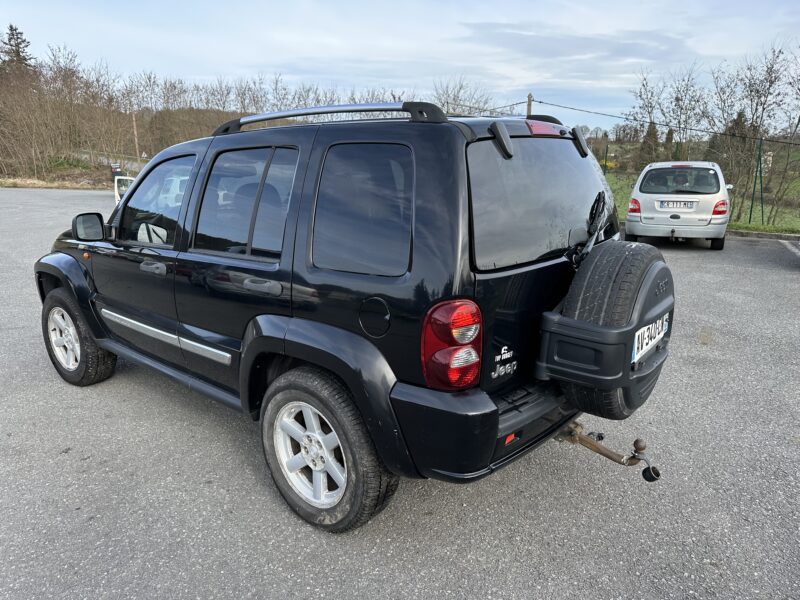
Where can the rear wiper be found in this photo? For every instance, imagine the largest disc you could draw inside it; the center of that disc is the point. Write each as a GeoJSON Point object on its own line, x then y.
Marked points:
{"type": "Point", "coordinates": [598, 218]}
{"type": "Point", "coordinates": [682, 191]}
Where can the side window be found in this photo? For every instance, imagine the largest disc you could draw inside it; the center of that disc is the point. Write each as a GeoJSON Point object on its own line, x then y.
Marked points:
{"type": "Point", "coordinates": [274, 203]}
{"type": "Point", "coordinates": [229, 199]}
{"type": "Point", "coordinates": [150, 216]}
{"type": "Point", "coordinates": [362, 222]}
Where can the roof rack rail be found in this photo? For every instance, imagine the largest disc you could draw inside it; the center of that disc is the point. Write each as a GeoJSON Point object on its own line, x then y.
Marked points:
{"type": "Point", "coordinates": [421, 112]}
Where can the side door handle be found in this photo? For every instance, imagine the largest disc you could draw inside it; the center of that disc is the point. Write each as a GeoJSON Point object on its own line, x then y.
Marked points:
{"type": "Point", "coordinates": [263, 286]}
{"type": "Point", "coordinates": [151, 266]}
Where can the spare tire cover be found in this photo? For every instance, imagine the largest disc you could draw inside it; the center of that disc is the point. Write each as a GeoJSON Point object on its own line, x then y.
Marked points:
{"type": "Point", "coordinates": [610, 283]}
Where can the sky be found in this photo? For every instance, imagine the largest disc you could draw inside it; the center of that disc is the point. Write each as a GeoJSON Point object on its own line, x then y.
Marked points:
{"type": "Point", "coordinates": [584, 54]}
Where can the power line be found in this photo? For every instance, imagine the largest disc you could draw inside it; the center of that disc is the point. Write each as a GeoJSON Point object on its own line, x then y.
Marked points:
{"type": "Point", "coordinates": [624, 118]}
{"type": "Point", "coordinates": [509, 105]}
{"type": "Point", "coordinates": [635, 120]}
{"type": "Point", "coordinates": [483, 109]}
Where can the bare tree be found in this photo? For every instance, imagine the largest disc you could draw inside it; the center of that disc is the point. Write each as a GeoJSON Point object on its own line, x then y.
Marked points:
{"type": "Point", "coordinates": [458, 95]}
{"type": "Point", "coordinates": [647, 102]}
{"type": "Point", "coordinates": [682, 106]}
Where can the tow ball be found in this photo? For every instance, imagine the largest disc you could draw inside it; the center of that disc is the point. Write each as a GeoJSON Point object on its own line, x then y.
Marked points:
{"type": "Point", "coordinates": [575, 433]}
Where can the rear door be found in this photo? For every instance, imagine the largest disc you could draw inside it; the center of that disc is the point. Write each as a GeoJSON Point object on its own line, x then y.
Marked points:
{"type": "Point", "coordinates": [526, 212]}
{"type": "Point", "coordinates": [682, 195]}
{"type": "Point", "coordinates": [236, 259]}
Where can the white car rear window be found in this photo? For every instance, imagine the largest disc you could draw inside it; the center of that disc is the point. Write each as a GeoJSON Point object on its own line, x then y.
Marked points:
{"type": "Point", "coordinates": [680, 180]}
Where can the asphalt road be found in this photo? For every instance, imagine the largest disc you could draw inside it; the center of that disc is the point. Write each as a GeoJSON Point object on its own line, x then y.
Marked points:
{"type": "Point", "coordinates": [137, 487]}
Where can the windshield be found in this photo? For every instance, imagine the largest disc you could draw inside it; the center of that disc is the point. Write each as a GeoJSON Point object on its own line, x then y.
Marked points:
{"type": "Point", "coordinates": [680, 180]}
{"type": "Point", "coordinates": [532, 206]}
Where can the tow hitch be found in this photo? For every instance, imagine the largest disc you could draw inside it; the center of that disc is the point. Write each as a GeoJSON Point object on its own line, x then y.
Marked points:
{"type": "Point", "coordinates": [575, 433]}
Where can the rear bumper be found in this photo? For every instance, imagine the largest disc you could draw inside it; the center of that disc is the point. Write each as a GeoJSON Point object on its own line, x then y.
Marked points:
{"type": "Point", "coordinates": [710, 231]}
{"type": "Point", "coordinates": [461, 437]}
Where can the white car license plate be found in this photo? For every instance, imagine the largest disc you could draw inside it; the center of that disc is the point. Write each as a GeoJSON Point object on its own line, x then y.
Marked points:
{"type": "Point", "coordinates": [648, 336]}
{"type": "Point", "coordinates": [677, 204]}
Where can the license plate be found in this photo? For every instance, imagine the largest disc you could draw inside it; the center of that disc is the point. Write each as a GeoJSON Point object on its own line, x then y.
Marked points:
{"type": "Point", "coordinates": [648, 336]}
{"type": "Point", "coordinates": [677, 204]}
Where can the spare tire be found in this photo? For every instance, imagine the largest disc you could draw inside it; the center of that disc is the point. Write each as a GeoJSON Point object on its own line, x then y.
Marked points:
{"type": "Point", "coordinates": [604, 292]}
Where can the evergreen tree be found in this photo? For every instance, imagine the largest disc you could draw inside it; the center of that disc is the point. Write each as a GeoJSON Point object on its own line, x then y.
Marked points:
{"type": "Point", "coordinates": [668, 141]}
{"type": "Point", "coordinates": [648, 149]}
{"type": "Point", "coordinates": [14, 54]}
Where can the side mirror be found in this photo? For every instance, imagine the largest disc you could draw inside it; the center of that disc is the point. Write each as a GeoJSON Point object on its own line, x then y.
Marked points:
{"type": "Point", "coordinates": [729, 186]}
{"type": "Point", "coordinates": [88, 227]}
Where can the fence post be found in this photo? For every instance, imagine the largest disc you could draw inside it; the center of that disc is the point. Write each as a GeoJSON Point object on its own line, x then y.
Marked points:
{"type": "Point", "coordinates": [605, 160]}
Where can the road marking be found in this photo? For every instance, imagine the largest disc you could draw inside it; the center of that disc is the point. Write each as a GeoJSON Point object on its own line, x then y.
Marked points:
{"type": "Point", "coordinates": [792, 247]}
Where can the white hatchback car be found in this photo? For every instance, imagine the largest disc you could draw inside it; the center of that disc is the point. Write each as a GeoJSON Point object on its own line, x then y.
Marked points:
{"type": "Point", "coordinates": [685, 200]}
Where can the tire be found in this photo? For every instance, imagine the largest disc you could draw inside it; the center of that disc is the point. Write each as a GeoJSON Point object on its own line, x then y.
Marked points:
{"type": "Point", "coordinates": [718, 243]}
{"type": "Point", "coordinates": [603, 293]}
{"type": "Point", "coordinates": [367, 487]}
{"type": "Point", "coordinates": [629, 237]}
{"type": "Point", "coordinates": [89, 363]}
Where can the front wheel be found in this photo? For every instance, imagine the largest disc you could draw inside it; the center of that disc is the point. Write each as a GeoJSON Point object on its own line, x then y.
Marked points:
{"type": "Point", "coordinates": [319, 453]}
{"type": "Point", "coordinates": [70, 345]}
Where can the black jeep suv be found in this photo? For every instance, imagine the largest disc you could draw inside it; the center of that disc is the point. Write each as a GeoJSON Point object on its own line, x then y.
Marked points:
{"type": "Point", "coordinates": [420, 296]}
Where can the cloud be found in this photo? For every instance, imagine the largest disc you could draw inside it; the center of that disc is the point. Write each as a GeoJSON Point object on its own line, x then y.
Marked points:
{"type": "Point", "coordinates": [550, 56]}
{"type": "Point", "coordinates": [571, 52]}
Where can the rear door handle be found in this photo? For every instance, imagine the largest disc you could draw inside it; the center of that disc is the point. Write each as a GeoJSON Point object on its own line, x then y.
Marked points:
{"type": "Point", "coordinates": [263, 286]}
{"type": "Point", "coordinates": [150, 266]}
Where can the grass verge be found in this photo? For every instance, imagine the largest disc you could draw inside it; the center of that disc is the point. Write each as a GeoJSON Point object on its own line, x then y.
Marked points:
{"type": "Point", "coordinates": [24, 182]}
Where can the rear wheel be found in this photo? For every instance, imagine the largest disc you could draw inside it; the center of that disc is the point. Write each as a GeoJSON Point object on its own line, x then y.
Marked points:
{"type": "Point", "coordinates": [718, 243]}
{"type": "Point", "coordinates": [319, 452]}
{"type": "Point", "coordinates": [604, 292]}
{"type": "Point", "coordinates": [629, 237]}
{"type": "Point", "coordinates": [70, 345]}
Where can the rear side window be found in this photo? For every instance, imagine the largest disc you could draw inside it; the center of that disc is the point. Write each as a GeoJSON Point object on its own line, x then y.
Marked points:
{"type": "Point", "coordinates": [680, 180]}
{"type": "Point", "coordinates": [362, 222]}
{"type": "Point", "coordinates": [228, 201]}
{"type": "Point", "coordinates": [274, 202]}
{"type": "Point", "coordinates": [532, 206]}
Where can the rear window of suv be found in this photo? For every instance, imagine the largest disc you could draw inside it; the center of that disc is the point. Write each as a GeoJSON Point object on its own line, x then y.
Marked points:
{"type": "Point", "coordinates": [680, 180]}
{"type": "Point", "coordinates": [532, 206]}
{"type": "Point", "coordinates": [362, 222]}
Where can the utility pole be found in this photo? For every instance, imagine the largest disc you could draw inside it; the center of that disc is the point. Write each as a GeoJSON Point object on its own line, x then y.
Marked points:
{"type": "Point", "coordinates": [135, 135]}
{"type": "Point", "coordinates": [530, 105]}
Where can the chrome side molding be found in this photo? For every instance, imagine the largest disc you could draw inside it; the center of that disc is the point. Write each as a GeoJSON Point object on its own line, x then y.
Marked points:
{"type": "Point", "coordinates": [168, 338]}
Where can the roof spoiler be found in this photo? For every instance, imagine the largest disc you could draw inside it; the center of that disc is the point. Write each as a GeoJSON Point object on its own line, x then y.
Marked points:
{"type": "Point", "coordinates": [545, 118]}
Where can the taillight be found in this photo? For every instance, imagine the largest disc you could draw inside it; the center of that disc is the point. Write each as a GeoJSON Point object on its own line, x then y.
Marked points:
{"type": "Point", "coordinates": [451, 345]}
{"type": "Point", "coordinates": [634, 207]}
{"type": "Point", "coordinates": [720, 208]}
